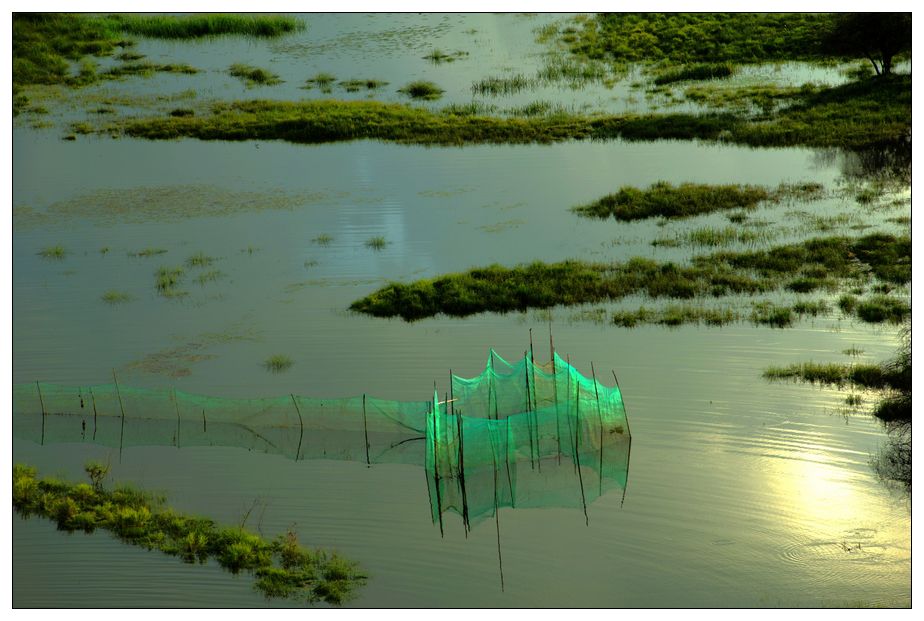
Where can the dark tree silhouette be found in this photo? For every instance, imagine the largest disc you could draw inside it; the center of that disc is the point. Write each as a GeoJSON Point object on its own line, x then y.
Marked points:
{"type": "Point", "coordinates": [876, 36]}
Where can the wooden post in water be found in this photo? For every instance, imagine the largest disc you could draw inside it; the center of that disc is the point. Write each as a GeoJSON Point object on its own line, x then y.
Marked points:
{"type": "Point", "coordinates": [493, 385]}
{"type": "Point", "coordinates": [204, 424]}
{"type": "Point", "coordinates": [532, 364]}
{"type": "Point", "coordinates": [301, 426]}
{"type": "Point", "coordinates": [624, 411]}
{"type": "Point", "coordinates": [600, 420]}
{"type": "Point", "coordinates": [93, 401]}
{"type": "Point", "coordinates": [555, 393]}
{"type": "Point", "coordinates": [366, 430]}
{"type": "Point", "coordinates": [436, 471]}
{"type": "Point", "coordinates": [529, 416]}
{"type": "Point", "coordinates": [577, 450]}
{"type": "Point", "coordinates": [42, 403]}
{"type": "Point", "coordinates": [461, 444]}
{"type": "Point", "coordinates": [122, 408]}
{"type": "Point", "coordinates": [500, 561]}
{"type": "Point", "coordinates": [176, 404]}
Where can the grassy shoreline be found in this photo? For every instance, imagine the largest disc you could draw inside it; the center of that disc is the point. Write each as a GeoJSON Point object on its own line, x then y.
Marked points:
{"type": "Point", "coordinates": [856, 116]}
{"type": "Point", "coordinates": [802, 267]}
{"type": "Point", "coordinates": [283, 567]}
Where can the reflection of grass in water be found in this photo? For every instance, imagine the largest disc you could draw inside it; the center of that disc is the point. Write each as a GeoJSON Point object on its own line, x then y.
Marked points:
{"type": "Point", "coordinates": [277, 363]}
{"type": "Point", "coordinates": [323, 239]}
{"type": "Point", "coordinates": [53, 252]}
{"type": "Point", "coordinates": [254, 76]}
{"type": "Point", "coordinates": [283, 568]}
{"type": "Point", "coordinates": [376, 243]}
{"type": "Point", "coordinates": [116, 297]}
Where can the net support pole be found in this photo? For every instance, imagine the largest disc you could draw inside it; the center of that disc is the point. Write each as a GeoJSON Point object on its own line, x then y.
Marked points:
{"type": "Point", "coordinates": [42, 403]}
{"type": "Point", "coordinates": [555, 393]}
{"type": "Point", "coordinates": [599, 420]}
{"type": "Point", "coordinates": [461, 443]}
{"type": "Point", "coordinates": [436, 471]}
{"type": "Point", "coordinates": [366, 430]}
{"type": "Point", "coordinates": [494, 386]}
{"type": "Point", "coordinates": [176, 404]}
{"type": "Point", "coordinates": [500, 560]}
{"type": "Point", "coordinates": [623, 401]}
{"type": "Point", "coordinates": [93, 401]}
{"type": "Point", "coordinates": [122, 409]}
{"type": "Point", "coordinates": [577, 450]}
{"type": "Point", "coordinates": [529, 416]}
{"type": "Point", "coordinates": [301, 426]}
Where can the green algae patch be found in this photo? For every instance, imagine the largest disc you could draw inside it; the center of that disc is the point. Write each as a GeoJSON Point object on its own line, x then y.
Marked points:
{"type": "Point", "coordinates": [283, 568]}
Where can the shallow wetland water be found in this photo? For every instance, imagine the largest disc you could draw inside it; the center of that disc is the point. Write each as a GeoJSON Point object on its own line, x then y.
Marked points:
{"type": "Point", "coordinates": [740, 493]}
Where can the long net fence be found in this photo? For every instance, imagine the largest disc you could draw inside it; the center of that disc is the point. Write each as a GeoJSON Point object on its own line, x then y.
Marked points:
{"type": "Point", "coordinates": [519, 434]}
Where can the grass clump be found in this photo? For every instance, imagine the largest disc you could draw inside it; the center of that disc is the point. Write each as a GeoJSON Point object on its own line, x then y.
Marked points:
{"type": "Point", "coordinates": [207, 25]}
{"type": "Point", "coordinates": [714, 237]}
{"type": "Point", "coordinates": [283, 567]}
{"type": "Point", "coordinates": [200, 259]}
{"type": "Point", "coordinates": [322, 80]}
{"type": "Point", "coordinates": [277, 363]}
{"type": "Point", "coordinates": [323, 239]}
{"type": "Point", "coordinates": [167, 281]}
{"type": "Point", "coordinates": [148, 69]}
{"type": "Point", "coordinates": [56, 253]}
{"type": "Point", "coordinates": [696, 71]}
{"type": "Point", "coordinates": [881, 308]}
{"type": "Point", "coordinates": [674, 315]}
{"type": "Point", "coordinates": [422, 89]}
{"type": "Point", "coordinates": [666, 200]}
{"type": "Point", "coordinates": [253, 76]}
{"type": "Point", "coordinates": [438, 56]}
{"type": "Point", "coordinates": [376, 243]}
{"type": "Point", "coordinates": [148, 252]}
{"type": "Point", "coordinates": [116, 297]}
{"type": "Point", "coordinates": [354, 86]}
{"type": "Point", "coordinates": [503, 86]}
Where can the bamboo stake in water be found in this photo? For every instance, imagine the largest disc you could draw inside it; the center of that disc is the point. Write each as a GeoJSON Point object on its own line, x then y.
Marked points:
{"type": "Point", "coordinates": [301, 425]}
{"type": "Point", "coordinates": [500, 561]}
{"type": "Point", "coordinates": [529, 419]}
{"type": "Point", "coordinates": [93, 401]}
{"type": "Point", "coordinates": [624, 411]}
{"type": "Point", "coordinates": [366, 430]}
{"type": "Point", "coordinates": [600, 420]}
{"type": "Point", "coordinates": [436, 471]}
{"type": "Point", "coordinates": [176, 404]}
{"type": "Point", "coordinates": [42, 403]}
{"type": "Point", "coordinates": [122, 408]}
{"type": "Point", "coordinates": [555, 393]}
{"type": "Point", "coordinates": [577, 450]}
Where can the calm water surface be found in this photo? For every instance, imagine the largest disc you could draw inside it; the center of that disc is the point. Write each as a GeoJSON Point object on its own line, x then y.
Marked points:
{"type": "Point", "coordinates": [740, 493]}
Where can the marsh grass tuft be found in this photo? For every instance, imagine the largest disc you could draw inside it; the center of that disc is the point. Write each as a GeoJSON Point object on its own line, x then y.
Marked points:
{"type": "Point", "coordinates": [116, 297]}
{"type": "Point", "coordinates": [422, 89]}
{"type": "Point", "coordinates": [356, 85]}
{"type": "Point", "coordinates": [282, 566]}
{"type": "Point", "coordinates": [56, 253]}
{"type": "Point", "coordinates": [697, 71]}
{"type": "Point", "coordinates": [438, 56]}
{"type": "Point", "coordinates": [166, 281]}
{"type": "Point", "coordinates": [508, 85]}
{"type": "Point", "coordinates": [254, 76]}
{"type": "Point", "coordinates": [148, 252]}
{"type": "Point", "coordinates": [376, 243]}
{"type": "Point", "coordinates": [209, 276]}
{"type": "Point", "coordinates": [278, 363]}
{"type": "Point", "coordinates": [323, 239]}
{"type": "Point", "coordinates": [207, 25]}
{"type": "Point", "coordinates": [200, 259]}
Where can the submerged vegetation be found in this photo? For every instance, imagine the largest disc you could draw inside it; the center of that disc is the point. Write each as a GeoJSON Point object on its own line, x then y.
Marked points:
{"type": "Point", "coordinates": [253, 76]}
{"type": "Point", "coordinates": [856, 115]}
{"type": "Point", "coordinates": [116, 297]}
{"type": "Point", "coordinates": [277, 363]}
{"type": "Point", "coordinates": [45, 44]}
{"type": "Point", "coordinates": [540, 285]}
{"type": "Point", "coordinates": [282, 566]}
